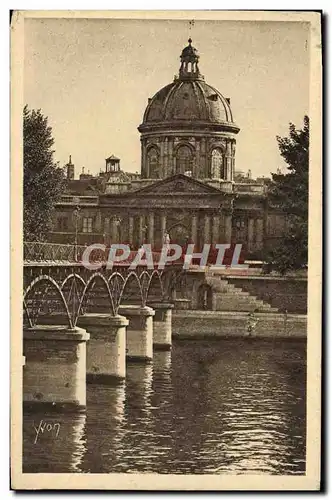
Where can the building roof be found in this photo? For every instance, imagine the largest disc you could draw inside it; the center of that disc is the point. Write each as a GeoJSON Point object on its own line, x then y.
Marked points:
{"type": "Point", "coordinates": [188, 100]}
{"type": "Point", "coordinates": [81, 186]}
{"type": "Point", "coordinates": [112, 157]}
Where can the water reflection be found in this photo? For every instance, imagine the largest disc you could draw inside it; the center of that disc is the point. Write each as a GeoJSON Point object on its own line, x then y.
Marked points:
{"type": "Point", "coordinates": [105, 427]}
{"type": "Point", "coordinates": [53, 442]}
{"type": "Point", "coordinates": [205, 407]}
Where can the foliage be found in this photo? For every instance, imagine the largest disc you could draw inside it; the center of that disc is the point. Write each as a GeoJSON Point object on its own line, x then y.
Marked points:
{"type": "Point", "coordinates": [289, 193]}
{"type": "Point", "coordinates": [43, 181]}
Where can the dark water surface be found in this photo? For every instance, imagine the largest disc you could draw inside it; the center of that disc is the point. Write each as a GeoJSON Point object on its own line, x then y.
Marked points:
{"type": "Point", "coordinates": [227, 406]}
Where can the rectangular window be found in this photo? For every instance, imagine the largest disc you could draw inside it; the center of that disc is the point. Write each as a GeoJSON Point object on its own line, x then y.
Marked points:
{"type": "Point", "coordinates": [87, 224]}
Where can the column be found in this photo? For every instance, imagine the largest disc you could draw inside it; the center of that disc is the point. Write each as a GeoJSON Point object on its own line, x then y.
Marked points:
{"type": "Point", "coordinates": [228, 228]}
{"type": "Point", "coordinates": [197, 172]}
{"type": "Point", "coordinates": [251, 242]}
{"type": "Point", "coordinates": [163, 225]}
{"type": "Point", "coordinates": [139, 332]}
{"type": "Point", "coordinates": [151, 229]}
{"type": "Point", "coordinates": [162, 326]}
{"type": "Point", "coordinates": [161, 162]}
{"type": "Point", "coordinates": [204, 165]}
{"type": "Point", "coordinates": [143, 158]}
{"type": "Point", "coordinates": [166, 173]}
{"type": "Point", "coordinates": [131, 230]}
{"type": "Point", "coordinates": [259, 234]}
{"type": "Point", "coordinates": [228, 162]}
{"type": "Point", "coordinates": [55, 366]}
{"type": "Point", "coordinates": [207, 232]}
{"type": "Point", "coordinates": [171, 158]}
{"type": "Point", "coordinates": [140, 229]}
{"type": "Point", "coordinates": [114, 230]}
{"type": "Point", "coordinates": [194, 229]}
{"type": "Point", "coordinates": [215, 229]}
{"type": "Point", "coordinates": [98, 222]}
{"type": "Point", "coordinates": [106, 350]}
{"type": "Point", "coordinates": [106, 230]}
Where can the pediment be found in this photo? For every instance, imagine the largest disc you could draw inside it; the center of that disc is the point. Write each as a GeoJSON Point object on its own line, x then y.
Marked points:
{"type": "Point", "coordinates": [178, 184]}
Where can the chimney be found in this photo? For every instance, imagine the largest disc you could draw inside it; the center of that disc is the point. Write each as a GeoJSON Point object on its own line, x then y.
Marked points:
{"type": "Point", "coordinates": [70, 170]}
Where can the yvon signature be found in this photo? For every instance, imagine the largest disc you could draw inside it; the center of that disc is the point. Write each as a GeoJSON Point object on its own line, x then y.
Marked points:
{"type": "Point", "coordinates": [47, 427]}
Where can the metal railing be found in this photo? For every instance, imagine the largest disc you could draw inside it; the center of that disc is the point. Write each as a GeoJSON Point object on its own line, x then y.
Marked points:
{"type": "Point", "coordinates": [52, 252]}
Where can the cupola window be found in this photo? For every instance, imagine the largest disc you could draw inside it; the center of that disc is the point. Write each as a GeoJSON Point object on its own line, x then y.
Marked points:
{"type": "Point", "coordinates": [216, 164]}
{"type": "Point", "coordinates": [184, 160]}
{"type": "Point", "coordinates": [153, 163]}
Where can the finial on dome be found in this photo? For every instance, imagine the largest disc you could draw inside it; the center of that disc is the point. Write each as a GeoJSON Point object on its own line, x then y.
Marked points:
{"type": "Point", "coordinates": [190, 41]}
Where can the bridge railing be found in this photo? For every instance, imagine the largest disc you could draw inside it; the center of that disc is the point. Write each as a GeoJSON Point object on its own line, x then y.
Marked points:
{"type": "Point", "coordinates": [55, 252]}
{"type": "Point", "coordinates": [52, 252]}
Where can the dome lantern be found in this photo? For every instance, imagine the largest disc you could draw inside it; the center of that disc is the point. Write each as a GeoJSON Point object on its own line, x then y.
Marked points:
{"type": "Point", "coordinates": [189, 63]}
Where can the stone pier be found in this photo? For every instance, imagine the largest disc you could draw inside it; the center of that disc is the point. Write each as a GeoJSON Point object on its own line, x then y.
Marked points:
{"type": "Point", "coordinates": [162, 325]}
{"type": "Point", "coordinates": [139, 332]}
{"type": "Point", "coordinates": [106, 349]}
{"type": "Point", "coordinates": [55, 366]}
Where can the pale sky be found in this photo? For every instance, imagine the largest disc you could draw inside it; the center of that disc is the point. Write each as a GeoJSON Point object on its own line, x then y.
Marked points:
{"type": "Point", "coordinates": [93, 78]}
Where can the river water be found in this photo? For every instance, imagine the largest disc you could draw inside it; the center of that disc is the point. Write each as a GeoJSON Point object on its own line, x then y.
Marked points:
{"type": "Point", "coordinates": [223, 407]}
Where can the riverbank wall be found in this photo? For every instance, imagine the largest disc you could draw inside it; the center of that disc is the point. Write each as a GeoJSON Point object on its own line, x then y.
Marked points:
{"type": "Point", "coordinates": [219, 324]}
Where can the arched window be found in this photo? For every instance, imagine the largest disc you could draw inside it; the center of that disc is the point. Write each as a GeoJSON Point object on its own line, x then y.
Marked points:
{"type": "Point", "coordinates": [216, 164]}
{"type": "Point", "coordinates": [183, 160]}
{"type": "Point", "coordinates": [153, 163]}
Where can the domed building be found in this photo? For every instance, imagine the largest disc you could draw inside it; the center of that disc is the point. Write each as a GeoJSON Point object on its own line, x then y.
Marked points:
{"type": "Point", "coordinates": [187, 186]}
{"type": "Point", "coordinates": [188, 127]}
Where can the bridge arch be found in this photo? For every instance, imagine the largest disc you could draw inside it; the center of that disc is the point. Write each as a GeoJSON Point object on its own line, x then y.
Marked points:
{"type": "Point", "coordinates": [131, 280]}
{"type": "Point", "coordinates": [72, 276]}
{"type": "Point", "coordinates": [51, 282]}
{"type": "Point", "coordinates": [155, 284]}
{"type": "Point", "coordinates": [93, 279]}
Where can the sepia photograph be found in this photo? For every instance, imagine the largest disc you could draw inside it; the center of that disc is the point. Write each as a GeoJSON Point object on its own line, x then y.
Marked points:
{"type": "Point", "coordinates": [166, 250]}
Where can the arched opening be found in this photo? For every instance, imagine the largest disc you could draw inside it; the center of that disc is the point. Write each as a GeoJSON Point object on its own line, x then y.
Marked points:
{"type": "Point", "coordinates": [217, 164]}
{"type": "Point", "coordinates": [153, 163]}
{"type": "Point", "coordinates": [179, 234]}
{"type": "Point", "coordinates": [204, 297]}
{"type": "Point", "coordinates": [184, 159]}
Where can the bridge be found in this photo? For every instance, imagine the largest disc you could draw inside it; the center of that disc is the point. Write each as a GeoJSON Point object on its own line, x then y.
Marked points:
{"type": "Point", "coordinates": [81, 324]}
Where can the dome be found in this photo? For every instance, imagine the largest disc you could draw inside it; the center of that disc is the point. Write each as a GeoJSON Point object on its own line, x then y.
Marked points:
{"type": "Point", "coordinates": [188, 100]}
{"type": "Point", "coordinates": [188, 127]}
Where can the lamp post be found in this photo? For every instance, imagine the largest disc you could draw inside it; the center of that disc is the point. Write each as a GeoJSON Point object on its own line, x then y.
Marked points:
{"type": "Point", "coordinates": [76, 215]}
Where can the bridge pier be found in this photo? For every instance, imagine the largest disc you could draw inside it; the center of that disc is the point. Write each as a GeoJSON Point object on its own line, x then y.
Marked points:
{"type": "Point", "coordinates": [162, 326]}
{"type": "Point", "coordinates": [106, 350]}
{"type": "Point", "coordinates": [139, 332]}
{"type": "Point", "coordinates": [55, 366]}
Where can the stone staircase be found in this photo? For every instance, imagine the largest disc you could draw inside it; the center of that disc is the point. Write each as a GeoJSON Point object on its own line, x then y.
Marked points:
{"type": "Point", "coordinates": [228, 297]}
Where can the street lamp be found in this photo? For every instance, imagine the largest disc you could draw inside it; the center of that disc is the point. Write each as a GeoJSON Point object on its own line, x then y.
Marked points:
{"type": "Point", "coordinates": [76, 215]}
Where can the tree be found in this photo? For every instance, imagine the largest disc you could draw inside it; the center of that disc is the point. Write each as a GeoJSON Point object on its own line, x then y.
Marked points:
{"type": "Point", "coordinates": [289, 193]}
{"type": "Point", "coordinates": [43, 180]}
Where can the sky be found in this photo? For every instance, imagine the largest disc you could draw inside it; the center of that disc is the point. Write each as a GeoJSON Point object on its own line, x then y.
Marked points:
{"type": "Point", "coordinates": [93, 78]}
